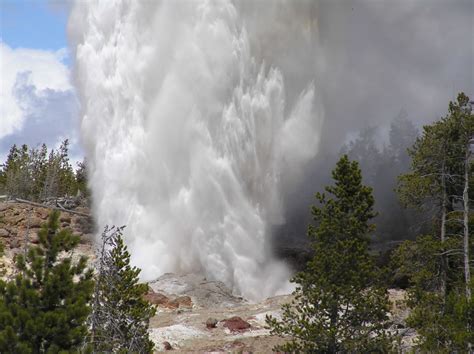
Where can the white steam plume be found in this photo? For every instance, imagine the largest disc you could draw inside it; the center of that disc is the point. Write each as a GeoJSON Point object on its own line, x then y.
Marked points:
{"type": "Point", "coordinates": [196, 115]}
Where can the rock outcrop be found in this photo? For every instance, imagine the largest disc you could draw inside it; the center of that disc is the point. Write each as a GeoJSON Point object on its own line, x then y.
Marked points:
{"type": "Point", "coordinates": [218, 320]}
{"type": "Point", "coordinates": [20, 223]}
{"type": "Point", "coordinates": [236, 324]}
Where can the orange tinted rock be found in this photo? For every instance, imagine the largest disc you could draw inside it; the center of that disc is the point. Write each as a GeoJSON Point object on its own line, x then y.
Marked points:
{"type": "Point", "coordinates": [181, 301]}
{"type": "Point", "coordinates": [156, 298]}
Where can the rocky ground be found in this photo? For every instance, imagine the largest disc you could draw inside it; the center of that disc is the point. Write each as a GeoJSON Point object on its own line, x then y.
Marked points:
{"type": "Point", "coordinates": [193, 313]}
{"type": "Point", "coordinates": [20, 223]}
{"type": "Point", "coordinates": [196, 314]}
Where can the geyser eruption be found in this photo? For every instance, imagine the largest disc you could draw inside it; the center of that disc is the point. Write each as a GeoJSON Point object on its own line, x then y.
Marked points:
{"type": "Point", "coordinates": [196, 116]}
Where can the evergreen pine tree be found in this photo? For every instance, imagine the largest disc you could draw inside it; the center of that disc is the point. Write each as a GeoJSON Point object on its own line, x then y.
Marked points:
{"type": "Point", "coordinates": [81, 179]}
{"type": "Point", "coordinates": [35, 175]}
{"type": "Point", "coordinates": [45, 307]}
{"type": "Point", "coordinates": [442, 322]}
{"type": "Point", "coordinates": [38, 170]}
{"type": "Point", "coordinates": [121, 316]}
{"type": "Point", "coordinates": [9, 167]}
{"type": "Point", "coordinates": [66, 176]}
{"type": "Point", "coordinates": [16, 172]}
{"type": "Point", "coordinates": [440, 295]}
{"type": "Point", "coordinates": [340, 303]}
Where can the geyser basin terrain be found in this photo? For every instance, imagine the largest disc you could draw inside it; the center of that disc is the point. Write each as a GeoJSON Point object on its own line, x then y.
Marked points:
{"type": "Point", "coordinates": [196, 116]}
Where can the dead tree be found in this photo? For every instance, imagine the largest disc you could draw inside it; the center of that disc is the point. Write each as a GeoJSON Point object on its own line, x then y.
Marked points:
{"type": "Point", "coordinates": [465, 196]}
{"type": "Point", "coordinates": [120, 315]}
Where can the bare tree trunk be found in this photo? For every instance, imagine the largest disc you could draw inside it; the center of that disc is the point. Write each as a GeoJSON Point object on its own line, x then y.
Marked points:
{"type": "Point", "coordinates": [96, 304]}
{"type": "Point", "coordinates": [465, 197]}
{"type": "Point", "coordinates": [50, 207]}
{"type": "Point", "coordinates": [443, 229]}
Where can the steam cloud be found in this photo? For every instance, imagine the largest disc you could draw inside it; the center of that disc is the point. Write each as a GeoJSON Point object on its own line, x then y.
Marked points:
{"type": "Point", "coordinates": [196, 116]}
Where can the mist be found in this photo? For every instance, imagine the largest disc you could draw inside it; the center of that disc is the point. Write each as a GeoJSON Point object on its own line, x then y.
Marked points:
{"type": "Point", "coordinates": [208, 126]}
{"type": "Point", "coordinates": [382, 59]}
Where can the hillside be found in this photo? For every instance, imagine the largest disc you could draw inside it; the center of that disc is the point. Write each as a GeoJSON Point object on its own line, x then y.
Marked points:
{"type": "Point", "coordinates": [20, 223]}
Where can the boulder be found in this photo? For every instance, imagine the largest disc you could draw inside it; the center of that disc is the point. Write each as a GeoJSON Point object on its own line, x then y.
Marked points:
{"type": "Point", "coordinates": [181, 301]}
{"type": "Point", "coordinates": [161, 300]}
{"type": "Point", "coordinates": [156, 298]}
{"type": "Point", "coordinates": [236, 324]}
{"type": "Point", "coordinates": [4, 233]}
{"type": "Point", "coordinates": [211, 323]}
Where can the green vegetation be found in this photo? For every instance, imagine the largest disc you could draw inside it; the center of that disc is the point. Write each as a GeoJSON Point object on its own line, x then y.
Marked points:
{"type": "Point", "coordinates": [438, 265]}
{"type": "Point", "coordinates": [56, 304]}
{"type": "Point", "coordinates": [45, 307]}
{"type": "Point", "coordinates": [120, 317]}
{"type": "Point", "coordinates": [33, 174]}
{"type": "Point", "coordinates": [442, 321]}
{"type": "Point", "coordinates": [341, 304]}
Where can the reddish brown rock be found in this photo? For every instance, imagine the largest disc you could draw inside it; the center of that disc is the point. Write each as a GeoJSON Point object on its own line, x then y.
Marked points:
{"type": "Point", "coordinates": [181, 301]}
{"type": "Point", "coordinates": [18, 219]}
{"type": "Point", "coordinates": [156, 298]}
{"type": "Point", "coordinates": [35, 222]}
{"type": "Point", "coordinates": [167, 346]}
{"type": "Point", "coordinates": [236, 324]}
{"type": "Point", "coordinates": [164, 301]}
{"type": "Point", "coordinates": [14, 220]}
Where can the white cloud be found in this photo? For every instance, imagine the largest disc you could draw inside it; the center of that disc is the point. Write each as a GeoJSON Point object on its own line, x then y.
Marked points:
{"type": "Point", "coordinates": [42, 71]}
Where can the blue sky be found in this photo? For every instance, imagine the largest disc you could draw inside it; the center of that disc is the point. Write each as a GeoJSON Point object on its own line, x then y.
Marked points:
{"type": "Point", "coordinates": [38, 103]}
{"type": "Point", "coordinates": [36, 24]}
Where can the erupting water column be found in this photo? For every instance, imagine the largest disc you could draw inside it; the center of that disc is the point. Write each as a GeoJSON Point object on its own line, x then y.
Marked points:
{"type": "Point", "coordinates": [196, 115]}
